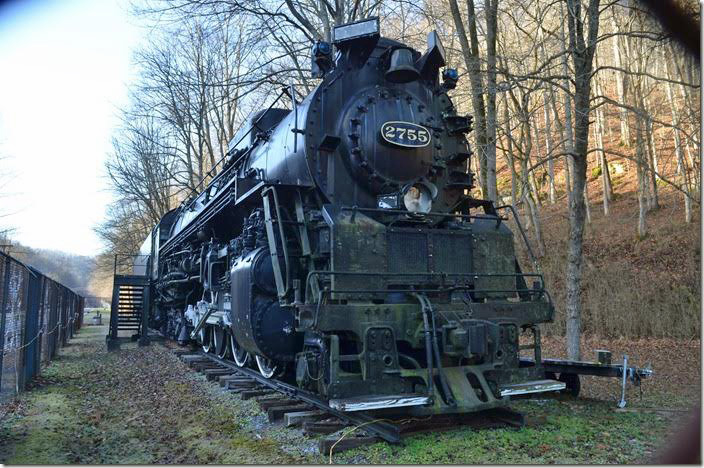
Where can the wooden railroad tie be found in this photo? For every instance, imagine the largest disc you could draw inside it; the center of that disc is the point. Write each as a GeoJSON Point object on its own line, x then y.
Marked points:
{"type": "Point", "coordinates": [322, 427]}
{"type": "Point", "coordinates": [299, 417]}
{"type": "Point", "coordinates": [214, 373]}
{"type": "Point", "coordinates": [277, 412]}
{"type": "Point", "coordinates": [272, 396]}
{"type": "Point", "coordinates": [240, 386]}
{"type": "Point", "coordinates": [349, 442]}
{"type": "Point", "coordinates": [236, 380]}
{"type": "Point", "coordinates": [223, 379]}
{"type": "Point", "coordinates": [249, 394]}
{"type": "Point", "coordinates": [187, 358]}
{"type": "Point", "coordinates": [274, 402]}
{"type": "Point", "coordinates": [200, 366]}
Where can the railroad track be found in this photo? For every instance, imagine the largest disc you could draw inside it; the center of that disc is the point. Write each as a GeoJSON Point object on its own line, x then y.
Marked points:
{"type": "Point", "coordinates": [295, 407]}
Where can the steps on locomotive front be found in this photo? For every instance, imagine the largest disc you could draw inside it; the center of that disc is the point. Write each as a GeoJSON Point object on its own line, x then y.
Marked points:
{"type": "Point", "coordinates": [129, 296]}
{"type": "Point", "coordinates": [378, 402]}
{"type": "Point", "coordinates": [533, 386]}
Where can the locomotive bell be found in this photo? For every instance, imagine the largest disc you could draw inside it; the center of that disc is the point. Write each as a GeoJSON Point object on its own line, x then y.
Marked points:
{"type": "Point", "coordinates": [401, 69]}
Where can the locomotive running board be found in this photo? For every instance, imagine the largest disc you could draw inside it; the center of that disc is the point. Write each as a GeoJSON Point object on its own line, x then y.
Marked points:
{"type": "Point", "coordinates": [378, 402]}
{"type": "Point", "coordinates": [533, 386]}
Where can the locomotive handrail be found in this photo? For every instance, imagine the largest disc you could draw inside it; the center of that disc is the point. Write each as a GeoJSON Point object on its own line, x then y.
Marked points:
{"type": "Point", "coordinates": [254, 124]}
{"type": "Point", "coordinates": [523, 234]}
{"type": "Point", "coordinates": [430, 213]}
{"type": "Point", "coordinates": [540, 291]}
{"type": "Point", "coordinates": [125, 257]}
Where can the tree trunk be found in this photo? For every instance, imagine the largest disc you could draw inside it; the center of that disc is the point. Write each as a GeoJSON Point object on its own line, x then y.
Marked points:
{"type": "Point", "coordinates": [587, 211]}
{"type": "Point", "coordinates": [569, 136]}
{"type": "Point", "coordinates": [621, 82]}
{"type": "Point", "coordinates": [471, 59]}
{"type": "Point", "coordinates": [582, 53]}
{"type": "Point", "coordinates": [641, 178]}
{"type": "Point", "coordinates": [548, 97]}
{"type": "Point", "coordinates": [605, 183]}
{"type": "Point", "coordinates": [537, 227]}
{"type": "Point", "coordinates": [534, 179]}
{"type": "Point", "coordinates": [532, 213]}
{"type": "Point", "coordinates": [681, 165]}
{"type": "Point", "coordinates": [548, 145]}
{"type": "Point", "coordinates": [509, 154]}
{"type": "Point", "coordinates": [490, 10]}
{"type": "Point", "coordinates": [599, 140]}
{"type": "Point", "coordinates": [653, 163]}
{"type": "Point", "coordinates": [566, 136]}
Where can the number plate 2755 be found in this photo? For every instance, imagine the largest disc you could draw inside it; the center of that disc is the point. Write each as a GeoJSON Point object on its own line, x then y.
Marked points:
{"type": "Point", "coordinates": [405, 134]}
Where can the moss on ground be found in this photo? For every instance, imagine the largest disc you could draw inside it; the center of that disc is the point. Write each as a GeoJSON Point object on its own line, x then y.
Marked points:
{"type": "Point", "coordinates": [142, 405]}
{"type": "Point", "coordinates": [562, 432]}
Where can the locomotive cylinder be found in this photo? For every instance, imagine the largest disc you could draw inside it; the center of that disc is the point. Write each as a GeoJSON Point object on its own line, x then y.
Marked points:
{"type": "Point", "coordinates": [260, 325]}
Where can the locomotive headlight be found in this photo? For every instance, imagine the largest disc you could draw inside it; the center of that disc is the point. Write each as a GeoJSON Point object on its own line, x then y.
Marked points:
{"type": "Point", "coordinates": [418, 199]}
{"type": "Point", "coordinates": [357, 30]}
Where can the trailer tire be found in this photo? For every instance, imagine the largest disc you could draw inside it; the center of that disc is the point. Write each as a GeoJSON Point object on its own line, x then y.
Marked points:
{"type": "Point", "coordinates": [572, 384]}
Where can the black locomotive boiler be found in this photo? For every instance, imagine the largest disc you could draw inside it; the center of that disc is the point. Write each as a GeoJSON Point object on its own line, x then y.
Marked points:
{"type": "Point", "coordinates": [338, 248]}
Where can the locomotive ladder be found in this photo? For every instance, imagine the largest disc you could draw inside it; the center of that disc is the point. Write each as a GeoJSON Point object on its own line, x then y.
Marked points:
{"type": "Point", "coordinates": [130, 295]}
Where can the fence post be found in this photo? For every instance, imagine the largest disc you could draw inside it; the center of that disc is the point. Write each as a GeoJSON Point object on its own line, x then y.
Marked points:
{"type": "Point", "coordinates": [3, 312]}
{"type": "Point", "coordinates": [31, 327]}
{"type": "Point", "coordinates": [146, 301]}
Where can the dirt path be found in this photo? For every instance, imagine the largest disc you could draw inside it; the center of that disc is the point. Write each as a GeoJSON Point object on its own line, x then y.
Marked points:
{"type": "Point", "coordinates": [141, 406]}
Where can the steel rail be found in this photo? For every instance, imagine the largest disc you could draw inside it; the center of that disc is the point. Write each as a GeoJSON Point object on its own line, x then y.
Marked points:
{"type": "Point", "coordinates": [386, 431]}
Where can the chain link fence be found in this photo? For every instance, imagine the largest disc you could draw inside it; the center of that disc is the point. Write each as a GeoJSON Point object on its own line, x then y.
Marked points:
{"type": "Point", "coordinates": [37, 317]}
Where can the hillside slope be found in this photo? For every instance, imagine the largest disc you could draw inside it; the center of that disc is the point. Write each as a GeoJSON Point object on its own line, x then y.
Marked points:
{"type": "Point", "coordinates": [632, 287]}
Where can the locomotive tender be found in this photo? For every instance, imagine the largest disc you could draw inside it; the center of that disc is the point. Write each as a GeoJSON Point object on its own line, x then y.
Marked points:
{"type": "Point", "coordinates": [338, 247]}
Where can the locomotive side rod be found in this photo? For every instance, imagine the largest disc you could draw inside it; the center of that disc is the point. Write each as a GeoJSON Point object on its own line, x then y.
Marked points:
{"type": "Point", "coordinates": [389, 432]}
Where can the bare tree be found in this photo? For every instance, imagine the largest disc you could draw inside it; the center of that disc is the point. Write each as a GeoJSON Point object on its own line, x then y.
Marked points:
{"type": "Point", "coordinates": [681, 164]}
{"type": "Point", "coordinates": [581, 50]}
{"type": "Point", "coordinates": [484, 112]}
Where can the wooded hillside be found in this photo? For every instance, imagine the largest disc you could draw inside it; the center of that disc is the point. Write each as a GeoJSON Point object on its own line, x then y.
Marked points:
{"type": "Point", "coordinates": [76, 272]}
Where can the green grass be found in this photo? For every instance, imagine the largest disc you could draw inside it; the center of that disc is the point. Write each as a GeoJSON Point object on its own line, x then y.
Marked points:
{"type": "Point", "coordinates": [556, 432]}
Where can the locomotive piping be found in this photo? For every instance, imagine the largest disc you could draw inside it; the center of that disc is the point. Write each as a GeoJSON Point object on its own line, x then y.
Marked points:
{"type": "Point", "coordinates": [267, 213]}
{"type": "Point", "coordinates": [428, 351]}
{"type": "Point", "coordinates": [436, 349]}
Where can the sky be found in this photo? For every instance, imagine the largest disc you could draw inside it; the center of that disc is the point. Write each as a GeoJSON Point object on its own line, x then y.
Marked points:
{"type": "Point", "coordinates": [65, 67]}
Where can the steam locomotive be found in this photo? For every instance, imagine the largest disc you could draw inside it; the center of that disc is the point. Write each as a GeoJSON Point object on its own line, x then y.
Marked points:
{"type": "Point", "coordinates": [339, 249]}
